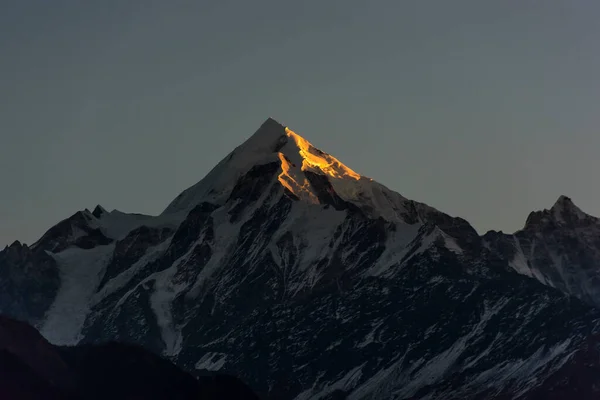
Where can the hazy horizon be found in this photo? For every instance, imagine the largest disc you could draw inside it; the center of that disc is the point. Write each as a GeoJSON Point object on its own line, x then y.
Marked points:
{"type": "Point", "coordinates": [483, 111]}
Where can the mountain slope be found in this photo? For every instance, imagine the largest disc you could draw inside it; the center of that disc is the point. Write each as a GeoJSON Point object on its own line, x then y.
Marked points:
{"type": "Point", "coordinates": [559, 247]}
{"type": "Point", "coordinates": [287, 268]}
{"type": "Point", "coordinates": [303, 173]}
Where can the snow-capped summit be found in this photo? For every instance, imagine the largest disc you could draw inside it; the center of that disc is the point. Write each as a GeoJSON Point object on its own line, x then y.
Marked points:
{"type": "Point", "coordinates": [272, 142]}
{"type": "Point", "coordinates": [309, 280]}
{"type": "Point", "coordinates": [305, 173]}
{"type": "Point", "coordinates": [217, 185]}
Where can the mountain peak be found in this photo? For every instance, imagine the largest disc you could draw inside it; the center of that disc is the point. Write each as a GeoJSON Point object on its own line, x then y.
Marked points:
{"type": "Point", "coordinates": [17, 245]}
{"type": "Point", "coordinates": [300, 170]}
{"type": "Point", "coordinates": [268, 133]}
{"type": "Point", "coordinates": [294, 151]}
{"type": "Point", "coordinates": [564, 210]}
{"type": "Point", "coordinates": [563, 202]}
{"type": "Point", "coordinates": [272, 121]}
{"type": "Point", "coordinates": [99, 211]}
{"type": "Point", "coordinates": [271, 143]}
{"type": "Point", "coordinates": [299, 157]}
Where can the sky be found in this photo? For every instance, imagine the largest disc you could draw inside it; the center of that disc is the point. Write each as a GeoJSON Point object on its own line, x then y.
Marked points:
{"type": "Point", "coordinates": [486, 110]}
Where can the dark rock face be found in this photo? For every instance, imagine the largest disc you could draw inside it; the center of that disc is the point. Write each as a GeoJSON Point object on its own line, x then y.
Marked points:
{"type": "Point", "coordinates": [98, 211]}
{"type": "Point", "coordinates": [109, 325]}
{"type": "Point", "coordinates": [343, 289]}
{"type": "Point", "coordinates": [452, 322]}
{"type": "Point", "coordinates": [394, 326]}
{"type": "Point", "coordinates": [325, 191]}
{"type": "Point", "coordinates": [129, 250]}
{"type": "Point", "coordinates": [250, 187]}
{"type": "Point", "coordinates": [559, 247]}
{"type": "Point", "coordinates": [577, 379]}
{"type": "Point", "coordinates": [315, 303]}
{"type": "Point", "coordinates": [75, 230]}
{"type": "Point", "coordinates": [29, 281]}
{"type": "Point", "coordinates": [33, 369]}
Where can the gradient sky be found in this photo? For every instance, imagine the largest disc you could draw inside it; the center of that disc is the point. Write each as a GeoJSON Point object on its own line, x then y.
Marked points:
{"type": "Point", "coordinates": [483, 109]}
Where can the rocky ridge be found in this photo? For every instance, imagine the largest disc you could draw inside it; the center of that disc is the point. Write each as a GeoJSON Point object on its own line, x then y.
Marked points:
{"type": "Point", "coordinates": [310, 281]}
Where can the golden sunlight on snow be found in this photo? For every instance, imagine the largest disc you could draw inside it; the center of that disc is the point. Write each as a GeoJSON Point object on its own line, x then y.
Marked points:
{"type": "Point", "coordinates": [286, 179]}
{"type": "Point", "coordinates": [313, 158]}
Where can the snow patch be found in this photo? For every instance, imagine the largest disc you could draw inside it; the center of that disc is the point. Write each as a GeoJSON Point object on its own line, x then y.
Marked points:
{"type": "Point", "coordinates": [519, 262]}
{"type": "Point", "coordinates": [212, 361]}
{"type": "Point", "coordinates": [396, 246]}
{"type": "Point", "coordinates": [161, 300]}
{"type": "Point", "coordinates": [370, 337]}
{"type": "Point", "coordinates": [117, 225]}
{"type": "Point", "coordinates": [81, 272]}
{"type": "Point", "coordinates": [121, 280]}
{"type": "Point", "coordinates": [451, 244]}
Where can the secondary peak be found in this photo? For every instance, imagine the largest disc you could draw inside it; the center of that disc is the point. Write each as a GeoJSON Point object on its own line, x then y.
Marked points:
{"type": "Point", "coordinates": [565, 210]}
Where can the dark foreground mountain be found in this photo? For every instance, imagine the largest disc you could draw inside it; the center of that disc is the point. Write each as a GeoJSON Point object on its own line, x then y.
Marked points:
{"type": "Point", "coordinates": [32, 368]}
{"type": "Point", "coordinates": [309, 281]}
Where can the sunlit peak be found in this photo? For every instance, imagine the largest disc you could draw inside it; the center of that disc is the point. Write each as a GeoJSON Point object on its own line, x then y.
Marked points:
{"type": "Point", "coordinates": [312, 158]}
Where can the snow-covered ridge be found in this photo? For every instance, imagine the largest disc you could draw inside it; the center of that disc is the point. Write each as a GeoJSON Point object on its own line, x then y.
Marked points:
{"type": "Point", "coordinates": [275, 143]}
{"type": "Point", "coordinates": [272, 142]}
{"type": "Point", "coordinates": [250, 257]}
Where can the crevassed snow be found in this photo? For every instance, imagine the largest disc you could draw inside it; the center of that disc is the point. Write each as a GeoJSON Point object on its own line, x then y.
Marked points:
{"type": "Point", "coordinates": [81, 272]}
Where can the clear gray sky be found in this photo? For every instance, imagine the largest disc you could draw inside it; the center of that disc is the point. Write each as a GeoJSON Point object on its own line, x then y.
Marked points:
{"type": "Point", "coordinates": [483, 109]}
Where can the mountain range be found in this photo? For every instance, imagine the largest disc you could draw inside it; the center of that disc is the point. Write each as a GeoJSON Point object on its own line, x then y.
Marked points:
{"type": "Point", "coordinates": [307, 280]}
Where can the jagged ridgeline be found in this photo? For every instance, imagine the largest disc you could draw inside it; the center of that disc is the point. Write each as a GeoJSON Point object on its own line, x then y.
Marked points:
{"type": "Point", "coordinates": [307, 280]}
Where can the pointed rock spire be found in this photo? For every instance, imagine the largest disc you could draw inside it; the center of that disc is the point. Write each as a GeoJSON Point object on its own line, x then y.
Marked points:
{"type": "Point", "coordinates": [99, 211]}
{"type": "Point", "coordinates": [564, 210]}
